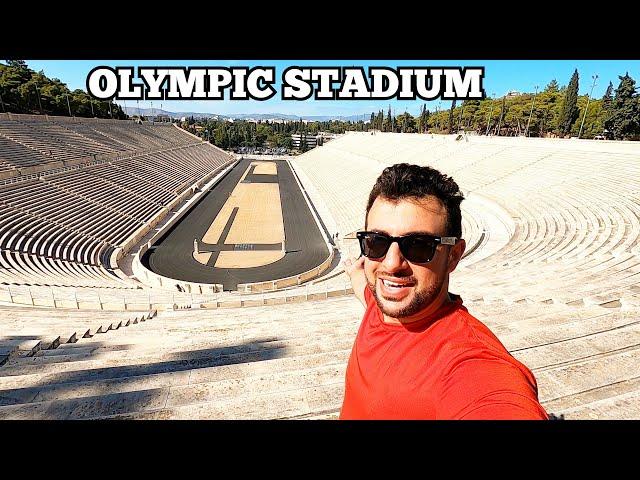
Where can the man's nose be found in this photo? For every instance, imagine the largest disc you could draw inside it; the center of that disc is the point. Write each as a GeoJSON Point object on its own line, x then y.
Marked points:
{"type": "Point", "coordinates": [394, 260]}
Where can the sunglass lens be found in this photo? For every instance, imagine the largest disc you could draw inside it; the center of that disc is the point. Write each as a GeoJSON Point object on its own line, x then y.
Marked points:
{"type": "Point", "coordinates": [375, 246]}
{"type": "Point", "coordinates": [418, 249]}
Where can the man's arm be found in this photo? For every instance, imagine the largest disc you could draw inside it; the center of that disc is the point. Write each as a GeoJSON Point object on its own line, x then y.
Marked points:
{"type": "Point", "coordinates": [355, 270]}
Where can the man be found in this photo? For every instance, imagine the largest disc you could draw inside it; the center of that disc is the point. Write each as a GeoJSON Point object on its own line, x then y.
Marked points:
{"type": "Point", "coordinates": [419, 354]}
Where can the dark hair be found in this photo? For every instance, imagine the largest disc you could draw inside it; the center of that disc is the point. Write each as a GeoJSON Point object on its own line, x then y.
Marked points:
{"type": "Point", "coordinates": [413, 181]}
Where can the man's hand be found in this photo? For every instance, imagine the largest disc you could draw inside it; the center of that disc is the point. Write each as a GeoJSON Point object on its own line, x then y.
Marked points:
{"type": "Point", "coordinates": [355, 269]}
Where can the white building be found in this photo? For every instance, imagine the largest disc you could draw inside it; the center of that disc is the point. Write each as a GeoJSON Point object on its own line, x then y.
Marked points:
{"type": "Point", "coordinates": [311, 140]}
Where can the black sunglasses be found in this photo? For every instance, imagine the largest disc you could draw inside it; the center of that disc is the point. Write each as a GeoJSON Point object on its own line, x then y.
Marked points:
{"type": "Point", "coordinates": [416, 248]}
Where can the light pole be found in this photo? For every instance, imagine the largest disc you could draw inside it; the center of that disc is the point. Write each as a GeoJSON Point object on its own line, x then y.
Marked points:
{"type": "Point", "coordinates": [595, 77]}
{"type": "Point", "coordinates": [68, 104]}
{"type": "Point", "coordinates": [526, 132]}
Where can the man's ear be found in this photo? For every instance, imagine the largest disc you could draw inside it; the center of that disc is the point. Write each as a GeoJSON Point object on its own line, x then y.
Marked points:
{"type": "Point", "coordinates": [455, 254]}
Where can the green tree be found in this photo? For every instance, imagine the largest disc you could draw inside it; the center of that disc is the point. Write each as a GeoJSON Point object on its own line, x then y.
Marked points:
{"type": "Point", "coordinates": [469, 113]}
{"type": "Point", "coordinates": [569, 112]}
{"type": "Point", "coordinates": [220, 137]}
{"type": "Point", "coordinates": [453, 106]}
{"type": "Point", "coordinates": [17, 64]}
{"type": "Point", "coordinates": [624, 120]}
{"type": "Point", "coordinates": [552, 87]}
{"type": "Point", "coordinates": [25, 91]}
{"type": "Point", "coordinates": [406, 123]}
{"type": "Point", "coordinates": [607, 98]}
{"type": "Point", "coordinates": [607, 102]}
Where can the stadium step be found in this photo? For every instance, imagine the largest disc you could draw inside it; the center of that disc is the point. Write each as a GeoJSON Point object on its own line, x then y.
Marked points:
{"type": "Point", "coordinates": [175, 391]}
{"type": "Point", "coordinates": [26, 373]}
{"type": "Point", "coordinates": [572, 404]}
{"type": "Point", "coordinates": [150, 404]}
{"type": "Point", "coordinates": [236, 372]}
{"type": "Point", "coordinates": [625, 406]}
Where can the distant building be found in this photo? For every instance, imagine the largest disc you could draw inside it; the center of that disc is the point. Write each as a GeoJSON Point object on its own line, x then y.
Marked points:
{"type": "Point", "coordinates": [513, 93]}
{"type": "Point", "coordinates": [311, 140]}
{"type": "Point", "coordinates": [328, 136]}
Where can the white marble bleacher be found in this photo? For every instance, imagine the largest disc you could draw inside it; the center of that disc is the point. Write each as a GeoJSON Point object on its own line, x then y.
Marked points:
{"type": "Point", "coordinates": [85, 129]}
{"type": "Point", "coordinates": [271, 363]}
{"type": "Point", "coordinates": [556, 230]}
{"type": "Point", "coordinates": [118, 174]}
{"type": "Point", "coordinates": [69, 138]}
{"type": "Point", "coordinates": [41, 141]}
{"type": "Point", "coordinates": [132, 136]}
{"type": "Point", "coordinates": [96, 190]}
{"type": "Point", "coordinates": [26, 331]}
{"type": "Point", "coordinates": [573, 245]}
{"type": "Point", "coordinates": [582, 210]}
{"type": "Point", "coordinates": [60, 229]}
{"type": "Point", "coordinates": [287, 361]}
{"type": "Point", "coordinates": [15, 155]}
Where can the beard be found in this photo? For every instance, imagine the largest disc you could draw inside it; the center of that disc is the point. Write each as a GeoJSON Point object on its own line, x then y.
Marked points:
{"type": "Point", "coordinates": [421, 299]}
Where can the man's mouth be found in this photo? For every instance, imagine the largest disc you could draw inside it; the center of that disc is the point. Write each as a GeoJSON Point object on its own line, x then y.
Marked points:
{"type": "Point", "coordinates": [395, 289]}
{"type": "Point", "coordinates": [396, 284]}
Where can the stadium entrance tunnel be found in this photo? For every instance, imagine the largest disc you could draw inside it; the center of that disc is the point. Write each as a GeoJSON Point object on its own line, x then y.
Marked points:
{"type": "Point", "coordinates": [252, 226]}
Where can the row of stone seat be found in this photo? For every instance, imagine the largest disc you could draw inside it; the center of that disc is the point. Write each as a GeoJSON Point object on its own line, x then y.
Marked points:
{"type": "Point", "coordinates": [26, 269]}
{"type": "Point", "coordinates": [28, 141]}
{"type": "Point", "coordinates": [125, 133]}
{"type": "Point", "coordinates": [26, 331]}
{"type": "Point", "coordinates": [49, 147]}
{"type": "Point", "coordinates": [288, 361]}
{"type": "Point", "coordinates": [566, 204]}
{"type": "Point", "coordinates": [61, 224]}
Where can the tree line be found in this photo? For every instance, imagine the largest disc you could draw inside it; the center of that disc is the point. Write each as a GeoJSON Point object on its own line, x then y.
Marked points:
{"type": "Point", "coordinates": [244, 133]}
{"type": "Point", "coordinates": [555, 111]}
{"type": "Point", "coordinates": [22, 90]}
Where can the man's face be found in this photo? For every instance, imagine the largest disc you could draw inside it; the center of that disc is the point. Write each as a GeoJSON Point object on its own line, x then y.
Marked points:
{"type": "Point", "coordinates": [406, 291]}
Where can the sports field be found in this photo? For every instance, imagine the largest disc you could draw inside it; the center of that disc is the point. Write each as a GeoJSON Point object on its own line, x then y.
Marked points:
{"type": "Point", "coordinates": [253, 226]}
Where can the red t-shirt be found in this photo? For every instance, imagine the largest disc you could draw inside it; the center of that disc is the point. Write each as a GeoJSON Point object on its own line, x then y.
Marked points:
{"type": "Point", "coordinates": [446, 366]}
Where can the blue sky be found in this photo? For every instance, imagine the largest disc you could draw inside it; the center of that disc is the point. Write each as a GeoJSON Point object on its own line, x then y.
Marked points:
{"type": "Point", "coordinates": [500, 77]}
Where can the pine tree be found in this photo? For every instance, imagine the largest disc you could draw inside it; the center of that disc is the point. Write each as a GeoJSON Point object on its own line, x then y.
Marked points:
{"type": "Point", "coordinates": [502, 112]}
{"type": "Point", "coordinates": [552, 87]}
{"type": "Point", "coordinates": [425, 119]}
{"type": "Point", "coordinates": [607, 99]}
{"type": "Point", "coordinates": [453, 106]}
{"type": "Point", "coordinates": [569, 112]}
{"type": "Point", "coordinates": [624, 118]}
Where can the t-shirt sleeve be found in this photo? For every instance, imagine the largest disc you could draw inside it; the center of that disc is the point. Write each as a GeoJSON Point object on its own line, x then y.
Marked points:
{"type": "Point", "coordinates": [484, 386]}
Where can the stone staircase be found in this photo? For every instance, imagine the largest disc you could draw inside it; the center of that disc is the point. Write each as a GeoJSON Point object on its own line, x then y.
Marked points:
{"type": "Point", "coordinates": [24, 332]}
